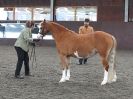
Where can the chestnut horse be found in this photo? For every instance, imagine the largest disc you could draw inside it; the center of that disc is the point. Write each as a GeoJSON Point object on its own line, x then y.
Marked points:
{"type": "Point", "coordinates": [71, 44]}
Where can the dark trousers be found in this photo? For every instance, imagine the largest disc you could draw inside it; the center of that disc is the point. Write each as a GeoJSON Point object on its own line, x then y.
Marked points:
{"type": "Point", "coordinates": [82, 60]}
{"type": "Point", "coordinates": [22, 57]}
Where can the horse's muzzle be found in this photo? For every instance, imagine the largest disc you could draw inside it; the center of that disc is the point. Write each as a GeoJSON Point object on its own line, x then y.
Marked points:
{"type": "Point", "coordinates": [40, 36]}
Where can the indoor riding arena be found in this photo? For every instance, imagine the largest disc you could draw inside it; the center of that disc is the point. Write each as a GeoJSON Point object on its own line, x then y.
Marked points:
{"type": "Point", "coordinates": [48, 72]}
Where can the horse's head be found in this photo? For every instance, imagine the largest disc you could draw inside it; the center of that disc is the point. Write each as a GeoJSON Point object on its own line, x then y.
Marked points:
{"type": "Point", "coordinates": [44, 28]}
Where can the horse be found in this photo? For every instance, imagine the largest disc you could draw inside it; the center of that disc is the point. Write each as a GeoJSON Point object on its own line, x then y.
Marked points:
{"type": "Point", "coordinates": [71, 44]}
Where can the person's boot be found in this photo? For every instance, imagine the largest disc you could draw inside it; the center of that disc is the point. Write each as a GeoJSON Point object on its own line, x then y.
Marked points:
{"type": "Point", "coordinates": [85, 60]}
{"type": "Point", "coordinates": [28, 74]}
{"type": "Point", "coordinates": [19, 77]}
{"type": "Point", "coordinates": [80, 61]}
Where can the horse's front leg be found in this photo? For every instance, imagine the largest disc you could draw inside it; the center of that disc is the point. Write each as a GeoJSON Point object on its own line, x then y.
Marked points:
{"type": "Point", "coordinates": [68, 68]}
{"type": "Point", "coordinates": [65, 69]}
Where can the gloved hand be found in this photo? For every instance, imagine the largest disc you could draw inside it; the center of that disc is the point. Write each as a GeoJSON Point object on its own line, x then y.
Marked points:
{"type": "Point", "coordinates": [36, 40]}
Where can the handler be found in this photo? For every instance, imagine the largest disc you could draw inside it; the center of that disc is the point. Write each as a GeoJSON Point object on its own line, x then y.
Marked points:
{"type": "Point", "coordinates": [22, 47]}
{"type": "Point", "coordinates": [86, 28]}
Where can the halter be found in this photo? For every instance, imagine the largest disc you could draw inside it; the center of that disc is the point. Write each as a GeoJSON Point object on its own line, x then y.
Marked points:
{"type": "Point", "coordinates": [41, 34]}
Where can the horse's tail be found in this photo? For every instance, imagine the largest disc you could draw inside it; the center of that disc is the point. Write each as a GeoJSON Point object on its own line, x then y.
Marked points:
{"type": "Point", "coordinates": [111, 60]}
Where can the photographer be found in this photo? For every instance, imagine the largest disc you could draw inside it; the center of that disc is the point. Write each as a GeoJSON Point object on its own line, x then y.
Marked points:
{"type": "Point", "coordinates": [22, 47]}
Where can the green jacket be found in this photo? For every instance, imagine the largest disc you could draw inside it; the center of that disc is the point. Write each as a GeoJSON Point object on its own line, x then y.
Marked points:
{"type": "Point", "coordinates": [24, 39]}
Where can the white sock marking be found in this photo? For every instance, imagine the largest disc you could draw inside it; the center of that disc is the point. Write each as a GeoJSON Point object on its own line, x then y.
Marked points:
{"type": "Point", "coordinates": [105, 79]}
{"type": "Point", "coordinates": [63, 76]}
{"type": "Point", "coordinates": [68, 74]}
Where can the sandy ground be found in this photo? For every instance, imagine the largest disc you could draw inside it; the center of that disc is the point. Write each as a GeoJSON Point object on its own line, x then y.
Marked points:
{"type": "Point", "coordinates": [84, 82]}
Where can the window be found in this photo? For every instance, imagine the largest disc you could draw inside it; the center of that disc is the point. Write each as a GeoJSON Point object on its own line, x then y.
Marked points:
{"type": "Point", "coordinates": [65, 14]}
{"type": "Point", "coordinates": [6, 13]}
{"type": "Point", "coordinates": [86, 12]}
{"type": "Point", "coordinates": [41, 13]}
{"type": "Point", "coordinates": [76, 13]}
{"type": "Point", "coordinates": [23, 13]}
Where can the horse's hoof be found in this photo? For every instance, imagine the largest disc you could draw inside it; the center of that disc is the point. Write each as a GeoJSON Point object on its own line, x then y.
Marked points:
{"type": "Point", "coordinates": [114, 80]}
{"type": "Point", "coordinates": [67, 78]}
{"type": "Point", "coordinates": [103, 82]}
{"type": "Point", "coordinates": [62, 80]}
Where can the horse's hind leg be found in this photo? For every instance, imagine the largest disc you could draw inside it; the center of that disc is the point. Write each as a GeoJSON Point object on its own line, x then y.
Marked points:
{"type": "Point", "coordinates": [106, 67]}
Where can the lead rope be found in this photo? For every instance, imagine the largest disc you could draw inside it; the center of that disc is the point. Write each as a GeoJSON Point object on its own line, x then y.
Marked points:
{"type": "Point", "coordinates": [33, 56]}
